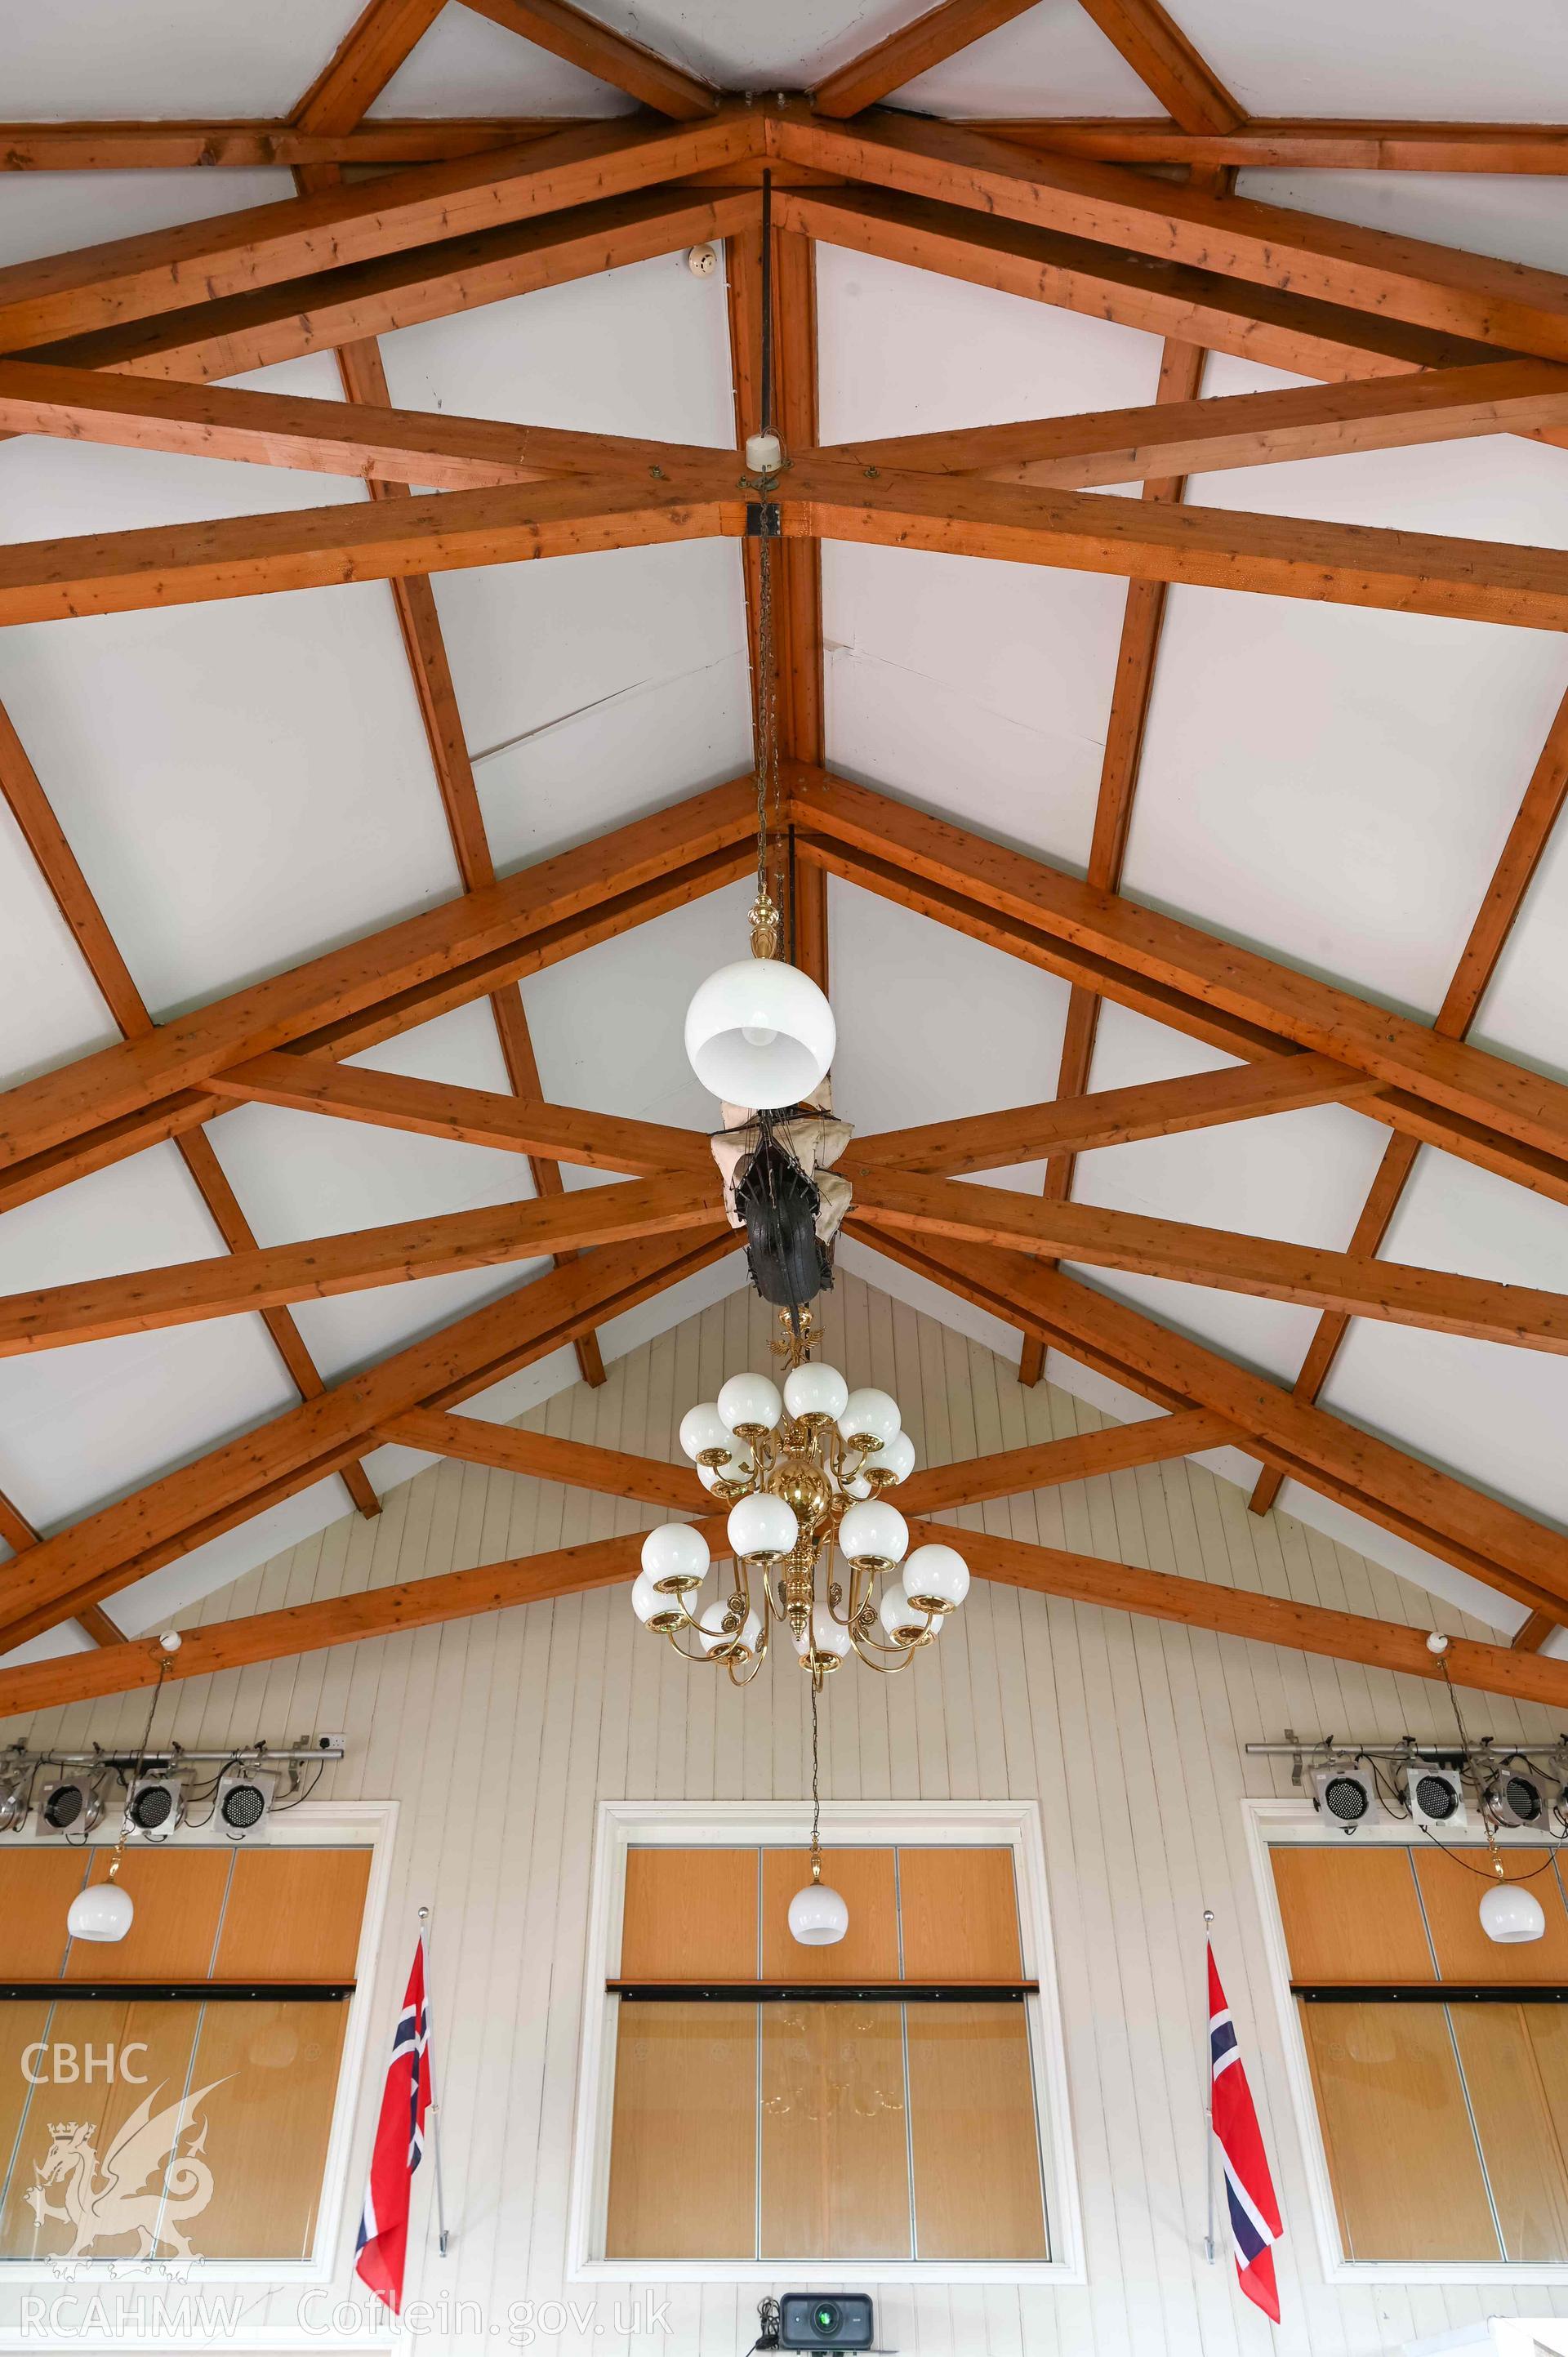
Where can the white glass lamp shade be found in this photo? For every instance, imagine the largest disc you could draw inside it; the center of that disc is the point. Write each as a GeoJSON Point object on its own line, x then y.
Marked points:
{"type": "Point", "coordinates": [896, 1456]}
{"type": "Point", "coordinates": [870, 1415]}
{"type": "Point", "coordinates": [748, 1636]}
{"type": "Point", "coordinates": [761, 1528]}
{"type": "Point", "coordinates": [702, 1427]}
{"type": "Point", "coordinates": [857, 1486]}
{"type": "Point", "coordinates": [816, 1391]}
{"type": "Point", "coordinates": [818, 1916]}
{"type": "Point", "coordinates": [750, 1404]}
{"type": "Point", "coordinates": [711, 1630]}
{"type": "Point", "coordinates": [901, 1623]}
{"type": "Point", "coordinates": [876, 1535]}
{"type": "Point", "coordinates": [734, 1468]}
{"type": "Point", "coordinates": [675, 1557]}
{"type": "Point", "coordinates": [654, 1610]}
{"type": "Point", "coordinates": [939, 1572]}
{"type": "Point", "coordinates": [1510, 1913]}
{"type": "Point", "coordinates": [825, 1636]}
{"type": "Point", "coordinates": [760, 1034]}
{"type": "Point", "coordinates": [101, 1911]}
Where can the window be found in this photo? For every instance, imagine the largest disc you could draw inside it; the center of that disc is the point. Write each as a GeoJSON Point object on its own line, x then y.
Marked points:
{"type": "Point", "coordinates": [873, 2104]}
{"type": "Point", "coordinates": [174, 2093]}
{"type": "Point", "coordinates": [1437, 2060]}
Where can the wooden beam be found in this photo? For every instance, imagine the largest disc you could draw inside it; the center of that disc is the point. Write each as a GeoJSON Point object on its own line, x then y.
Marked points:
{"type": "Point", "coordinates": [541, 1457]}
{"type": "Point", "coordinates": [181, 1509]}
{"type": "Point", "coordinates": [110, 1103]}
{"type": "Point", "coordinates": [57, 865]}
{"type": "Point", "coordinates": [1278, 556]}
{"type": "Point", "coordinates": [1167, 63]}
{"type": "Point", "coordinates": [1276, 327]}
{"type": "Point", "coordinates": [330, 306]}
{"type": "Point", "coordinates": [311, 548]}
{"type": "Point", "coordinates": [645, 1149]}
{"type": "Point", "coordinates": [1532, 1632]}
{"type": "Point", "coordinates": [913, 50]}
{"type": "Point", "coordinates": [593, 47]}
{"type": "Point", "coordinates": [326, 437]}
{"type": "Point", "coordinates": [1434, 1510]}
{"type": "Point", "coordinates": [315, 1270]}
{"type": "Point", "coordinates": [993, 1141]}
{"type": "Point", "coordinates": [262, 142]}
{"type": "Point", "coordinates": [99, 1626]}
{"type": "Point", "coordinates": [1528, 837]}
{"type": "Point", "coordinates": [364, 63]}
{"type": "Point", "coordinates": [602, 1563]}
{"type": "Point", "coordinates": [231, 253]}
{"type": "Point", "coordinates": [1243, 1612]}
{"type": "Point", "coordinates": [1265, 143]}
{"type": "Point", "coordinates": [334, 1621]}
{"type": "Point", "coordinates": [1434, 287]}
{"type": "Point", "coordinates": [1013, 1473]}
{"type": "Point", "coordinates": [1362, 1288]}
{"type": "Point", "coordinates": [1250, 429]}
{"type": "Point", "coordinates": [1129, 945]}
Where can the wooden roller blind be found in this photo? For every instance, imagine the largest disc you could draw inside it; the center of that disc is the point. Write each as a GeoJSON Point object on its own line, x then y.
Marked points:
{"type": "Point", "coordinates": [273, 2071]}
{"type": "Point", "coordinates": [689, 1914]}
{"type": "Point", "coordinates": [1452, 1897]}
{"type": "Point", "coordinates": [292, 1915]}
{"type": "Point", "coordinates": [977, 2152]}
{"type": "Point", "coordinates": [1515, 2061]}
{"type": "Point", "coordinates": [36, 1886]}
{"type": "Point", "coordinates": [1351, 1914]}
{"type": "Point", "coordinates": [835, 2182]}
{"type": "Point", "coordinates": [869, 1949]}
{"type": "Point", "coordinates": [960, 1912]}
{"type": "Point", "coordinates": [179, 1897]}
{"type": "Point", "coordinates": [683, 2149]}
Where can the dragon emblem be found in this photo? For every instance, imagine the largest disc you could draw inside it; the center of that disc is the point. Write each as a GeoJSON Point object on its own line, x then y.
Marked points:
{"type": "Point", "coordinates": [100, 2199]}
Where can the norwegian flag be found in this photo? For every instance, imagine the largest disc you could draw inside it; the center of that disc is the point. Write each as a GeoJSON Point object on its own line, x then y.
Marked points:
{"type": "Point", "coordinates": [1255, 2222]}
{"type": "Point", "coordinates": [382, 2246]}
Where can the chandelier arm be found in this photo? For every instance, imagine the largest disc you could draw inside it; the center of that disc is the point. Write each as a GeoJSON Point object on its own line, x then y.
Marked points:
{"type": "Point", "coordinates": [904, 1654]}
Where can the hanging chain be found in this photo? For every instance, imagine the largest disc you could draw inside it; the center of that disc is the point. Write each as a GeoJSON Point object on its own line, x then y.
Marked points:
{"type": "Point", "coordinates": [115, 1861]}
{"type": "Point", "coordinates": [766, 919]}
{"type": "Point", "coordinates": [816, 1794]}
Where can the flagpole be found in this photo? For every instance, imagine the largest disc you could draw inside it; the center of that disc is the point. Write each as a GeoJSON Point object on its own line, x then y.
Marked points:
{"type": "Point", "coordinates": [1209, 2251]}
{"type": "Point", "coordinates": [442, 2237]}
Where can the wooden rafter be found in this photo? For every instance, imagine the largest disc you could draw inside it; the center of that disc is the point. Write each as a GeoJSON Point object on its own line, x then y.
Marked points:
{"type": "Point", "coordinates": [602, 1563]}
{"type": "Point", "coordinates": [364, 63]}
{"type": "Point", "coordinates": [645, 1149]}
{"type": "Point", "coordinates": [593, 47]}
{"type": "Point", "coordinates": [1432, 287]}
{"type": "Point", "coordinates": [913, 50]}
{"type": "Point", "coordinates": [991, 1141]}
{"type": "Point", "coordinates": [1497, 1545]}
{"type": "Point", "coordinates": [1055, 1229]}
{"type": "Point", "coordinates": [549, 1226]}
{"type": "Point", "coordinates": [74, 897]}
{"type": "Point", "coordinates": [1479, 1106]}
{"type": "Point", "coordinates": [611, 1472]}
{"type": "Point", "coordinates": [331, 306]}
{"type": "Point", "coordinates": [1167, 63]}
{"type": "Point", "coordinates": [135, 278]}
{"type": "Point", "coordinates": [273, 429]}
{"type": "Point", "coordinates": [1528, 837]}
{"type": "Point", "coordinates": [169, 1517]}
{"type": "Point", "coordinates": [118, 1099]}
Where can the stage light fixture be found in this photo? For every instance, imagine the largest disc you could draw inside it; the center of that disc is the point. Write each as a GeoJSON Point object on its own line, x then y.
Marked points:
{"type": "Point", "coordinates": [154, 1806]}
{"type": "Point", "coordinates": [1345, 1794]}
{"type": "Point", "coordinates": [16, 1799]}
{"type": "Point", "coordinates": [68, 1808]}
{"type": "Point", "coordinates": [1517, 1794]}
{"type": "Point", "coordinates": [244, 1801]}
{"type": "Point", "coordinates": [1434, 1795]}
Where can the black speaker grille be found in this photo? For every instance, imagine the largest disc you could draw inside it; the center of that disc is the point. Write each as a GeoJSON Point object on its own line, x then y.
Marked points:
{"type": "Point", "coordinates": [1436, 1796]}
{"type": "Point", "coordinates": [245, 1805]}
{"type": "Point", "coordinates": [153, 1806]}
{"type": "Point", "coordinates": [1524, 1798]}
{"type": "Point", "coordinates": [64, 1805]}
{"type": "Point", "coordinates": [1344, 1797]}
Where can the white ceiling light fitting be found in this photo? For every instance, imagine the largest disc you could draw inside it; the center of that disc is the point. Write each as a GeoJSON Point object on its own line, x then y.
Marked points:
{"type": "Point", "coordinates": [759, 1033]}
{"type": "Point", "coordinates": [103, 1910]}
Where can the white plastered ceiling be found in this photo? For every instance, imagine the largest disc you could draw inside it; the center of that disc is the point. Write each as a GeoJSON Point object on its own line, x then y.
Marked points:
{"type": "Point", "coordinates": [246, 783]}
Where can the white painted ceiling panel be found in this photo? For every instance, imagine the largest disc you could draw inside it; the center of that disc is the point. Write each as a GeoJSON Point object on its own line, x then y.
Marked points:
{"type": "Point", "coordinates": [49, 1006]}
{"type": "Point", "coordinates": [1054, 60]}
{"type": "Point", "coordinates": [1523, 1013]}
{"type": "Point", "coordinates": [1271, 1336]}
{"type": "Point", "coordinates": [467, 65]}
{"type": "Point", "coordinates": [54, 212]}
{"type": "Point", "coordinates": [1441, 59]}
{"type": "Point", "coordinates": [85, 60]}
{"type": "Point", "coordinates": [755, 45]}
{"type": "Point", "coordinates": [1517, 217]}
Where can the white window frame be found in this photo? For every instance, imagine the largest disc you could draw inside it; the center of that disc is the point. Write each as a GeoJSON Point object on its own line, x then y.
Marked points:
{"type": "Point", "coordinates": [880, 1825]}
{"type": "Point", "coordinates": [1276, 1823]}
{"type": "Point", "coordinates": [309, 1825]}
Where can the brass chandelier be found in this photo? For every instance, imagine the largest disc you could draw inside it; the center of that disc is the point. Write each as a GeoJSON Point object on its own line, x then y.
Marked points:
{"type": "Point", "coordinates": [802, 1470]}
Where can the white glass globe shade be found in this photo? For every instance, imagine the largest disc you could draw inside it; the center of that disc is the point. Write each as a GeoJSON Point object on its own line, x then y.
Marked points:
{"type": "Point", "coordinates": [826, 1636]}
{"type": "Point", "coordinates": [939, 1571]}
{"type": "Point", "coordinates": [818, 1916]}
{"type": "Point", "coordinates": [645, 1600]}
{"type": "Point", "coordinates": [897, 1614]}
{"type": "Point", "coordinates": [815, 1391]}
{"type": "Point", "coordinates": [676, 1552]}
{"type": "Point", "coordinates": [874, 1532]}
{"type": "Point", "coordinates": [896, 1456]}
{"type": "Point", "coordinates": [101, 1911]}
{"type": "Point", "coordinates": [749, 1399]}
{"type": "Point", "coordinates": [870, 1415]}
{"type": "Point", "coordinates": [858, 1487]}
{"type": "Point", "coordinates": [748, 1636]}
{"type": "Point", "coordinates": [711, 1630]}
{"type": "Point", "coordinates": [702, 1427]}
{"type": "Point", "coordinates": [732, 1469]}
{"type": "Point", "coordinates": [1510, 1913]}
{"type": "Point", "coordinates": [761, 1526]}
{"type": "Point", "coordinates": [760, 1034]}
